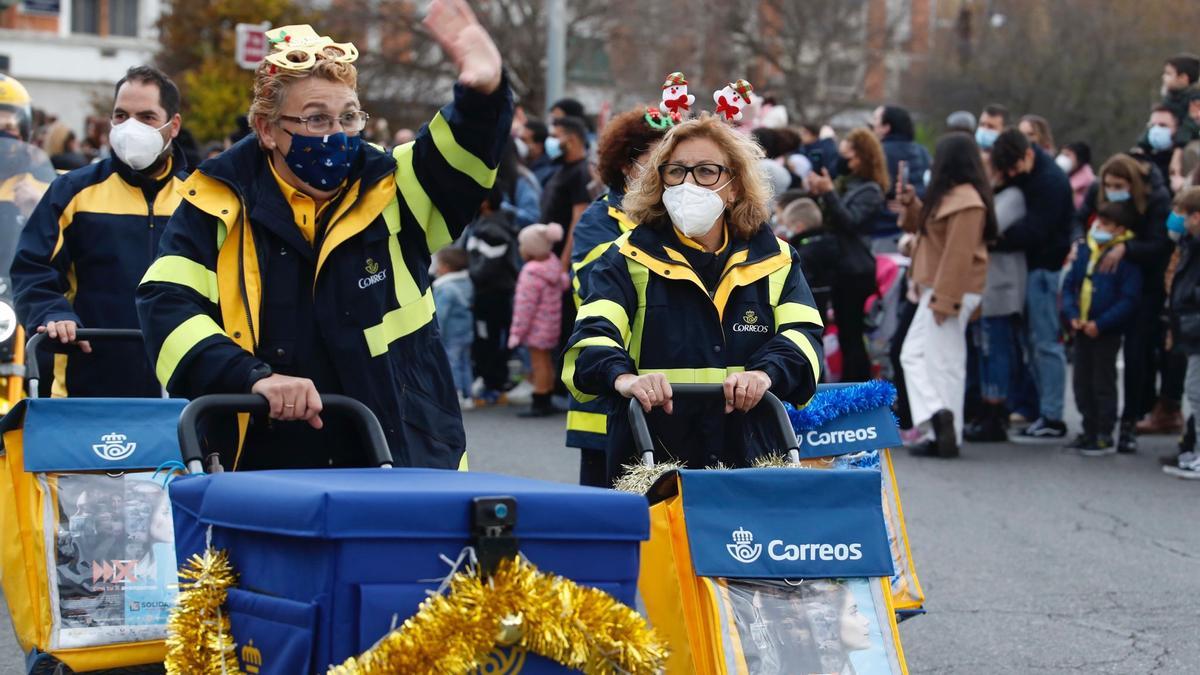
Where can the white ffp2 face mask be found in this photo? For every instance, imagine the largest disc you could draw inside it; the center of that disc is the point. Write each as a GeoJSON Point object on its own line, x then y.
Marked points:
{"type": "Point", "coordinates": [136, 143]}
{"type": "Point", "coordinates": [693, 209]}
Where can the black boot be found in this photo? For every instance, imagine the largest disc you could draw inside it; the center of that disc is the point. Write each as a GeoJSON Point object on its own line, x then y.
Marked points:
{"type": "Point", "coordinates": [992, 426]}
{"type": "Point", "coordinates": [1127, 443]}
{"type": "Point", "coordinates": [540, 407]}
{"type": "Point", "coordinates": [943, 432]}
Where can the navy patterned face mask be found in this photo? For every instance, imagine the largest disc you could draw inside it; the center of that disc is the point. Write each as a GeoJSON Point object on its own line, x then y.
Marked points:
{"type": "Point", "coordinates": [322, 161]}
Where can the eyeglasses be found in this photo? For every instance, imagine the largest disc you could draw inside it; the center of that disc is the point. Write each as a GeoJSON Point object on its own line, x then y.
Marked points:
{"type": "Point", "coordinates": [321, 123]}
{"type": "Point", "coordinates": [705, 175]}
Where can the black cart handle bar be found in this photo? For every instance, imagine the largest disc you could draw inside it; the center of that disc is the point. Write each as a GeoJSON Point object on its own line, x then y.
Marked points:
{"type": "Point", "coordinates": [645, 444]}
{"type": "Point", "coordinates": [198, 409]}
{"type": "Point", "coordinates": [33, 374]}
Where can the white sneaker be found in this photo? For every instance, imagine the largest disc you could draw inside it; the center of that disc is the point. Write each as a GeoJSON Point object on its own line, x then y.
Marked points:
{"type": "Point", "coordinates": [1186, 470]}
{"type": "Point", "coordinates": [466, 403]}
{"type": "Point", "coordinates": [522, 393]}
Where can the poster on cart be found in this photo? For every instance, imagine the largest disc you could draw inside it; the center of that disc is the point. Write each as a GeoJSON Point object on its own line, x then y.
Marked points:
{"type": "Point", "coordinates": [810, 626]}
{"type": "Point", "coordinates": [113, 575]}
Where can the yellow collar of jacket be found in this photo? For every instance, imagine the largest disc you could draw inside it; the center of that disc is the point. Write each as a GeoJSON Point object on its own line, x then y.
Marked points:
{"type": "Point", "coordinates": [746, 265]}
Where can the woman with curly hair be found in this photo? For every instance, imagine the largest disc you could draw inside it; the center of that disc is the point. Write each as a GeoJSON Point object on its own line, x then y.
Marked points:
{"type": "Point", "coordinates": [851, 205]}
{"type": "Point", "coordinates": [624, 149]}
{"type": "Point", "coordinates": [700, 292]}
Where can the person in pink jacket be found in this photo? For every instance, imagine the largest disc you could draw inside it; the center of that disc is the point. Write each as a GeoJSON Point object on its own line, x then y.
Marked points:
{"type": "Point", "coordinates": [537, 310]}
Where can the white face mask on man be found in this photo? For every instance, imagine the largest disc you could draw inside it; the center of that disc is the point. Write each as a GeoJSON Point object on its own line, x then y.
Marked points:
{"type": "Point", "coordinates": [137, 144]}
{"type": "Point", "coordinates": [694, 209]}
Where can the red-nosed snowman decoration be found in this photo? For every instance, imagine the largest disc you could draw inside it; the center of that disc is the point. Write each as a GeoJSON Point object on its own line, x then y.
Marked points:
{"type": "Point", "coordinates": [675, 97]}
{"type": "Point", "coordinates": [733, 99]}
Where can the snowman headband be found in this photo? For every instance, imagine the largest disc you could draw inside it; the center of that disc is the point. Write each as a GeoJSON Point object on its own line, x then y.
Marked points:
{"type": "Point", "coordinates": [298, 48]}
{"type": "Point", "coordinates": [676, 103]}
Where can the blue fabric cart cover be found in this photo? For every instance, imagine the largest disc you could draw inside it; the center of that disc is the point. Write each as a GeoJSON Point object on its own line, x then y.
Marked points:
{"type": "Point", "coordinates": [853, 432]}
{"type": "Point", "coordinates": [402, 503]}
{"type": "Point", "coordinates": [786, 523]}
{"type": "Point", "coordinates": [96, 434]}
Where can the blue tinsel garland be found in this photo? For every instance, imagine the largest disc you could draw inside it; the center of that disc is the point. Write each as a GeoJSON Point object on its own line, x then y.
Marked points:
{"type": "Point", "coordinates": [830, 404]}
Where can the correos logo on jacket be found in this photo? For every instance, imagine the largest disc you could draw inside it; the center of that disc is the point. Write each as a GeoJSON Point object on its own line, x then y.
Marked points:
{"type": "Point", "coordinates": [750, 324]}
{"type": "Point", "coordinates": [374, 274]}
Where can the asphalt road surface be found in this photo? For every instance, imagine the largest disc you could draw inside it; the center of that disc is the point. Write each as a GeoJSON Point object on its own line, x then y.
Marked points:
{"type": "Point", "coordinates": [1033, 560]}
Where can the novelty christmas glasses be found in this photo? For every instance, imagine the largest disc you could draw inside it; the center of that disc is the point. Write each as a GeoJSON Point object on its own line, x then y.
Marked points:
{"type": "Point", "coordinates": [298, 47]}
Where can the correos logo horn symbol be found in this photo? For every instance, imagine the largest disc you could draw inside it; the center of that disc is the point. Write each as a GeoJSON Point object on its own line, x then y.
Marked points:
{"type": "Point", "coordinates": [375, 274]}
{"type": "Point", "coordinates": [114, 447]}
{"type": "Point", "coordinates": [743, 549]}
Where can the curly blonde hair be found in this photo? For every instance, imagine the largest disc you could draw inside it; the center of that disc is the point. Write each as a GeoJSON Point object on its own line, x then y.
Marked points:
{"type": "Point", "coordinates": [271, 83]}
{"type": "Point", "coordinates": [644, 203]}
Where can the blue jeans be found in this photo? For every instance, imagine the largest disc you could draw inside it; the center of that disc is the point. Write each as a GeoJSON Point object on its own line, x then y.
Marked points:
{"type": "Point", "coordinates": [1048, 359]}
{"type": "Point", "coordinates": [997, 341]}
{"type": "Point", "coordinates": [460, 367]}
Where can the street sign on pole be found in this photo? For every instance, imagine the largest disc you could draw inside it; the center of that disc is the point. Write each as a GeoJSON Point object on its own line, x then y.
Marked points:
{"type": "Point", "coordinates": [252, 44]}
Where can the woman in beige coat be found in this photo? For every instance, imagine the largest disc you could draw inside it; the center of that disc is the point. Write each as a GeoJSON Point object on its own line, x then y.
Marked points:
{"type": "Point", "coordinates": [949, 270]}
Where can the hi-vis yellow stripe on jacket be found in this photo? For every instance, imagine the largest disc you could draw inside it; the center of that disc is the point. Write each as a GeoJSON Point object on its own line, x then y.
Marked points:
{"type": "Point", "coordinates": [237, 284]}
{"type": "Point", "coordinates": [80, 258]}
{"type": "Point", "coordinates": [600, 224]}
{"type": "Point", "coordinates": [647, 310]}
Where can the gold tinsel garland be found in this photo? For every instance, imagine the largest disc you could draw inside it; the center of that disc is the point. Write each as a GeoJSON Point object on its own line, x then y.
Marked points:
{"type": "Point", "coordinates": [638, 478]}
{"type": "Point", "coordinates": [577, 626]}
{"type": "Point", "coordinates": [199, 639]}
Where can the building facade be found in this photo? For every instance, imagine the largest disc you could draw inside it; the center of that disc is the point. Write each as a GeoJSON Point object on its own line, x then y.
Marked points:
{"type": "Point", "coordinates": [70, 53]}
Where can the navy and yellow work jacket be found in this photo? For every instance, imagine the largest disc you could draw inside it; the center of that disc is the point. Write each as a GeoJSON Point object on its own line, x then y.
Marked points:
{"type": "Point", "coordinates": [601, 223]}
{"type": "Point", "coordinates": [80, 258]}
{"type": "Point", "coordinates": [647, 310]}
{"type": "Point", "coordinates": [237, 285]}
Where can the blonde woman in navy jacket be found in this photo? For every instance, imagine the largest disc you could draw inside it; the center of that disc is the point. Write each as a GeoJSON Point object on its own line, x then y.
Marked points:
{"type": "Point", "coordinates": [700, 292]}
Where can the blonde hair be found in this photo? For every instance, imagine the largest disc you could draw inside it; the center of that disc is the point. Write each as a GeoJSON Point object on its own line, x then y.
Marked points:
{"type": "Point", "coordinates": [872, 163]}
{"type": "Point", "coordinates": [644, 203]}
{"type": "Point", "coordinates": [271, 83]}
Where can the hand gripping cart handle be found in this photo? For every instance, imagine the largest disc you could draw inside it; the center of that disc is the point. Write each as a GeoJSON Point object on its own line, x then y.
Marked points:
{"type": "Point", "coordinates": [645, 444]}
{"type": "Point", "coordinates": [40, 341]}
{"type": "Point", "coordinates": [197, 410]}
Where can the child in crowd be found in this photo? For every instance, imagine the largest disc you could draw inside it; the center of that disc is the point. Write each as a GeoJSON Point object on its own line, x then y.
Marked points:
{"type": "Point", "coordinates": [491, 244]}
{"type": "Point", "coordinates": [537, 311]}
{"type": "Point", "coordinates": [1179, 73]}
{"type": "Point", "coordinates": [816, 246]}
{"type": "Point", "coordinates": [1185, 318]}
{"type": "Point", "coordinates": [1099, 307]}
{"type": "Point", "coordinates": [453, 297]}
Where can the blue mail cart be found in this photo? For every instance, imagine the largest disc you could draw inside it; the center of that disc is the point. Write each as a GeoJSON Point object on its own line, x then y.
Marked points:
{"type": "Point", "coordinates": [328, 558]}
